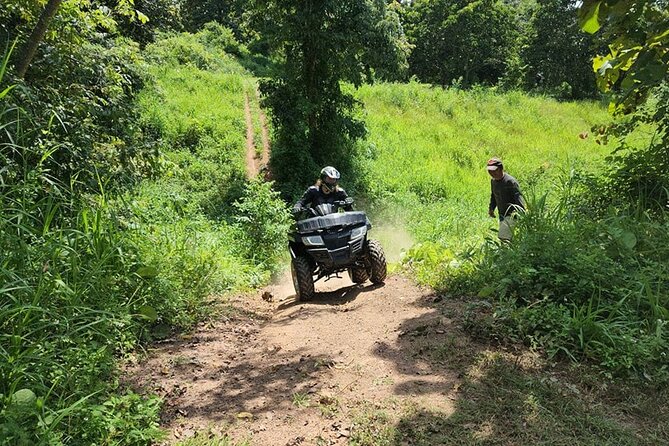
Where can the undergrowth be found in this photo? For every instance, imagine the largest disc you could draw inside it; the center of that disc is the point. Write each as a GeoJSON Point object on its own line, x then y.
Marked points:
{"type": "Point", "coordinates": [89, 272]}
{"type": "Point", "coordinates": [585, 278]}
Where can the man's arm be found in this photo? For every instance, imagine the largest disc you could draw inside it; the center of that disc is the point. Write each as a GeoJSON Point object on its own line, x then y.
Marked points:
{"type": "Point", "coordinates": [493, 203]}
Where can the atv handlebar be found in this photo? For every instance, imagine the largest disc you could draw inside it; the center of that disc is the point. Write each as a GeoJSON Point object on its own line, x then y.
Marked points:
{"type": "Point", "coordinates": [296, 211]}
{"type": "Point", "coordinates": [342, 203]}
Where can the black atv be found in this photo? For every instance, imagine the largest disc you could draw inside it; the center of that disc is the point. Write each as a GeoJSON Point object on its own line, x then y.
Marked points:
{"type": "Point", "coordinates": [328, 242]}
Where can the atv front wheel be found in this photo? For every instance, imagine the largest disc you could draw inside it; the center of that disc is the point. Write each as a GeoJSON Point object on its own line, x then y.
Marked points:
{"type": "Point", "coordinates": [303, 281]}
{"type": "Point", "coordinates": [358, 275]}
{"type": "Point", "coordinates": [377, 261]}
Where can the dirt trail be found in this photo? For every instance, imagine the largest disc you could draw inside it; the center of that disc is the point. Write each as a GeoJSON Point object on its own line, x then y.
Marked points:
{"type": "Point", "coordinates": [283, 373]}
{"type": "Point", "coordinates": [264, 160]}
{"type": "Point", "coordinates": [251, 165]}
{"type": "Point", "coordinates": [254, 163]}
{"type": "Point", "coordinates": [280, 372]}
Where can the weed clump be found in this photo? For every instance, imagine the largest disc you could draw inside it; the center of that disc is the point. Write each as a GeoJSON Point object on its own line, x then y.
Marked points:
{"type": "Point", "coordinates": [586, 289]}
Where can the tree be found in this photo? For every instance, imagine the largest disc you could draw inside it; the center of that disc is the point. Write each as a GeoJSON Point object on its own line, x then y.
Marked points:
{"type": "Point", "coordinates": [228, 13]}
{"type": "Point", "coordinates": [78, 87]}
{"type": "Point", "coordinates": [28, 52]}
{"type": "Point", "coordinates": [638, 35]}
{"type": "Point", "coordinates": [460, 39]}
{"type": "Point", "coordinates": [558, 53]}
{"type": "Point", "coordinates": [636, 73]}
{"type": "Point", "coordinates": [320, 43]}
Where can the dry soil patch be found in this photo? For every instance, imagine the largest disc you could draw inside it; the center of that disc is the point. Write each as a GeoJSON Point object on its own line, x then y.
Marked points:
{"type": "Point", "coordinates": [284, 372]}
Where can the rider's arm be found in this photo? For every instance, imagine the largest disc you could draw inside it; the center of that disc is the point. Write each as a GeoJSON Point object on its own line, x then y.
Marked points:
{"type": "Point", "coordinates": [307, 198]}
{"type": "Point", "coordinates": [341, 196]}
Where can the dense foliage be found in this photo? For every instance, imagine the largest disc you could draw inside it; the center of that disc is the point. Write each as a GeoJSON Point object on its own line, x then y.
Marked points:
{"type": "Point", "coordinates": [557, 53]}
{"type": "Point", "coordinates": [321, 44]}
{"type": "Point", "coordinates": [602, 297]}
{"type": "Point", "coordinates": [91, 266]}
{"type": "Point", "coordinates": [529, 45]}
{"type": "Point", "coordinates": [461, 42]}
{"type": "Point", "coordinates": [636, 72]}
{"type": "Point", "coordinates": [80, 86]}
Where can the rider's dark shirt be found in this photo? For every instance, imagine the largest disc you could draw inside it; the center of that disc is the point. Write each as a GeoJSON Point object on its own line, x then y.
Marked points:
{"type": "Point", "coordinates": [314, 196]}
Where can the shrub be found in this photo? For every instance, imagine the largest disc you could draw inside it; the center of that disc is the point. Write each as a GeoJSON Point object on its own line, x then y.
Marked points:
{"type": "Point", "coordinates": [593, 289]}
{"type": "Point", "coordinates": [263, 221]}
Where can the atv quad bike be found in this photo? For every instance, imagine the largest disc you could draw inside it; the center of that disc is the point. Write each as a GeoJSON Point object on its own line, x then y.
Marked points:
{"type": "Point", "coordinates": [328, 242]}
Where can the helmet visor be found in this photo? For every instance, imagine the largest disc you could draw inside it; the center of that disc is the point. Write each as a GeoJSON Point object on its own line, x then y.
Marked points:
{"type": "Point", "coordinates": [329, 184]}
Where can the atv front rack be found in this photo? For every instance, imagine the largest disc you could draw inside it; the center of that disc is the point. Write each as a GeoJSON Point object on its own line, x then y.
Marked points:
{"type": "Point", "coordinates": [328, 221]}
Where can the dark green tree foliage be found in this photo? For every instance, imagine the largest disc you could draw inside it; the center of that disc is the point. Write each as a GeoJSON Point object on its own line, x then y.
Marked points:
{"type": "Point", "coordinates": [558, 54]}
{"type": "Point", "coordinates": [638, 35]}
{"type": "Point", "coordinates": [636, 72]}
{"type": "Point", "coordinates": [150, 17]}
{"type": "Point", "coordinates": [462, 41]}
{"type": "Point", "coordinates": [321, 44]}
{"type": "Point", "coordinates": [389, 49]}
{"type": "Point", "coordinates": [78, 88]}
{"type": "Point", "coordinates": [229, 13]}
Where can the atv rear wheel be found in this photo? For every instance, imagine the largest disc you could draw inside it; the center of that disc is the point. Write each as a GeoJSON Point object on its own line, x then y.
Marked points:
{"type": "Point", "coordinates": [377, 261]}
{"type": "Point", "coordinates": [303, 281]}
{"type": "Point", "coordinates": [358, 275]}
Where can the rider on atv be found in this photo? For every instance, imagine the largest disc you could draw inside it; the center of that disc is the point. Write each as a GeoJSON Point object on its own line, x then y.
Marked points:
{"type": "Point", "coordinates": [326, 190]}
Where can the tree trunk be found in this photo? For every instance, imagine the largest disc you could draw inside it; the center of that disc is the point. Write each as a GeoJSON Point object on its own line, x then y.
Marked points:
{"type": "Point", "coordinates": [28, 52]}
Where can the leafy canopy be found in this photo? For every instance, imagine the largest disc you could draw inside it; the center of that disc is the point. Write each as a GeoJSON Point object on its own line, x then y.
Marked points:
{"type": "Point", "coordinates": [319, 45]}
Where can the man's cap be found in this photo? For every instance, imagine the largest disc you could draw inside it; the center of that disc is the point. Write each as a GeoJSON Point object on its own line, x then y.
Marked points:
{"type": "Point", "coordinates": [494, 164]}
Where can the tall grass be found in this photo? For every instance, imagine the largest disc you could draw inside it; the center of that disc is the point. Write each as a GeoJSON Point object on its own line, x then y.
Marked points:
{"type": "Point", "coordinates": [66, 309]}
{"type": "Point", "coordinates": [427, 148]}
{"type": "Point", "coordinates": [577, 282]}
{"type": "Point", "coordinates": [86, 276]}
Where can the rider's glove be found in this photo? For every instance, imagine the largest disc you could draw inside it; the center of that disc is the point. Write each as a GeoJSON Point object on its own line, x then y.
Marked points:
{"type": "Point", "coordinates": [296, 210]}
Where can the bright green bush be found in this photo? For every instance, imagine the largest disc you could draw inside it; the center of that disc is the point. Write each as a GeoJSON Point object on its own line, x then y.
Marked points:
{"type": "Point", "coordinates": [263, 222]}
{"type": "Point", "coordinates": [71, 301]}
{"type": "Point", "coordinates": [586, 289]}
{"type": "Point", "coordinates": [88, 272]}
{"type": "Point", "coordinates": [206, 50]}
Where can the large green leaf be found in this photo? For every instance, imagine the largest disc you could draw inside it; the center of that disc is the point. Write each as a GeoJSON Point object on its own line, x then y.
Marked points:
{"type": "Point", "coordinates": [486, 291]}
{"type": "Point", "coordinates": [588, 16]}
{"type": "Point", "coordinates": [148, 312]}
{"type": "Point", "coordinates": [147, 272]}
{"type": "Point", "coordinates": [628, 239]}
{"type": "Point", "coordinates": [4, 92]}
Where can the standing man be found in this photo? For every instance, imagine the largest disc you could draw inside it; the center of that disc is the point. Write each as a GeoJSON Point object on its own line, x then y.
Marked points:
{"type": "Point", "coordinates": [505, 195]}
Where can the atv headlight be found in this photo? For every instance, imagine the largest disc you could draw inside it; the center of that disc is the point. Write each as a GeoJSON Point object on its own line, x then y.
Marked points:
{"type": "Point", "coordinates": [358, 232]}
{"type": "Point", "coordinates": [313, 240]}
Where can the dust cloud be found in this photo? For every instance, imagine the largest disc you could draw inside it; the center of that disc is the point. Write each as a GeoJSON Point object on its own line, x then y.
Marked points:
{"type": "Point", "coordinates": [394, 238]}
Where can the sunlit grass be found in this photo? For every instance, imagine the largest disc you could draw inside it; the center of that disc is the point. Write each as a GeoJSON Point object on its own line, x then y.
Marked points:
{"type": "Point", "coordinates": [428, 146]}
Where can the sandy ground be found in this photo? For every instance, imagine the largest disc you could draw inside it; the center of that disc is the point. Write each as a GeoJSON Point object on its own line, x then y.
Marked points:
{"type": "Point", "coordinates": [281, 372]}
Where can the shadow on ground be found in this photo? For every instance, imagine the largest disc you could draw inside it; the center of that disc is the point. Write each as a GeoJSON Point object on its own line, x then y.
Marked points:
{"type": "Point", "coordinates": [506, 396]}
{"type": "Point", "coordinates": [341, 296]}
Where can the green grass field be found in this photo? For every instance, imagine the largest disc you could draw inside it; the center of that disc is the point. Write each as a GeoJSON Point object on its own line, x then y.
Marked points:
{"type": "Point", "coordinates": [427, 149]}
